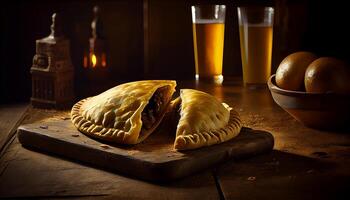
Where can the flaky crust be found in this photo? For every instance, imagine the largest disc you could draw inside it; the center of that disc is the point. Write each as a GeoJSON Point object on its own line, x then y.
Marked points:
{"type": "Point", "coordinates": [115, 115]}
{"type": "Point", "coordinates": [204, 121]}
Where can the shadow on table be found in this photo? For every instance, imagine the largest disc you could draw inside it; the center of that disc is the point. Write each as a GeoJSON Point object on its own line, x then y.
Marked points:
{"type": "Point", "coordinates": [275, 175]}
{"type": "Point", "coordinates": [281, 175]}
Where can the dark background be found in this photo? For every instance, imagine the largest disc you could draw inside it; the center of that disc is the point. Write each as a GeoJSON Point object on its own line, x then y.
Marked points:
{"type": "Point", "coordinates": [153, 38]}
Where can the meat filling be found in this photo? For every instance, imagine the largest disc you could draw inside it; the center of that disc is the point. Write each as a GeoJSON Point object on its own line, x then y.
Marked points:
{"type": "Point", "coordinates": [154, 108]}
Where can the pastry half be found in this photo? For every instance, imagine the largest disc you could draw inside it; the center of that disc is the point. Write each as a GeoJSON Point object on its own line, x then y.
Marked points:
{"type": "Point", "coordinates": [125, 114]}
{"type": "Point", "coordinates": [204, 120]}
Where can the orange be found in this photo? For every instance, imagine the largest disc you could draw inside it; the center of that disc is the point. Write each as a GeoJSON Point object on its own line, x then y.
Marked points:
{"type": "Point", "coordinates": [291, 71]}
{"type": "Point", "coordinates": [327, 74]}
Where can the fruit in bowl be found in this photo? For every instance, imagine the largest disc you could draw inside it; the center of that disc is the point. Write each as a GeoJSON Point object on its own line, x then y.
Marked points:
{"type": "Point", "coordinates": [322, 100]}
{"type": "Point", "coordinates": [327, 75]}
{"type": "Point", "coordinates": [290, 73]}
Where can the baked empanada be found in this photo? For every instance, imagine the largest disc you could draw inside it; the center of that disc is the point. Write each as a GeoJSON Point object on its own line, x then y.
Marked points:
{"type": "Point", "coordinates": [204, 121]}
{"type": "Point", "coordinates": [125, 114]}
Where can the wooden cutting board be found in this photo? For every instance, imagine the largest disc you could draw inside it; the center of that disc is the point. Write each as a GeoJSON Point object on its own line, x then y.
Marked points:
{"type": "Point", "coordinates": [154, 159]}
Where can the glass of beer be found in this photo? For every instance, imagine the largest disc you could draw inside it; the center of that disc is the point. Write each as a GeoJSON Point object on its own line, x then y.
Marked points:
{"type": "Point", "coordinates": [208, 23]}
{"type": "Point", "coordinates": [255, 33]}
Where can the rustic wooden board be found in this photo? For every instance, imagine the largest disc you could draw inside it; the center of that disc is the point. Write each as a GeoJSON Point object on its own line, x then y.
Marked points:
{"type": "Point", "coordinates": [10, 118]}
{"type": "Point", "coordinates": [32, 175]}
{"type": "Point", "coordinates": [155, 159]}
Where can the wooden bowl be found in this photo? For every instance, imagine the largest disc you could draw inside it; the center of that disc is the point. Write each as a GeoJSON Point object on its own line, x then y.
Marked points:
{"type": "Point", "coordinates": [315, 110]}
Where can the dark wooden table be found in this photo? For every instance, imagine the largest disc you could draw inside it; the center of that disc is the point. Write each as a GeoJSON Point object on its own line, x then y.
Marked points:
{"type": "Point", "coordinates": [305, 163]}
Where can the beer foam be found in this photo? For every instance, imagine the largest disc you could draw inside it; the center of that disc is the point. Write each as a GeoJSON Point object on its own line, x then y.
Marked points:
{"type": "Point", "coordinates": [257, 25]}
{"type": "Point", "coordinates": [208, 21]}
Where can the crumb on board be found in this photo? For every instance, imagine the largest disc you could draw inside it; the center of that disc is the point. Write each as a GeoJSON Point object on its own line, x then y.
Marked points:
{"type": "Point", "coordinates": [131, 152]}
{"type": "Point", "coordinates": [104, 146]}
{"type": "Point", "coordinates": [65, 118]}
{"type": "Point", "coordinates": [253, 120]}
{"type": "Point", "coordinates": [75, 135]}
{"type": "Point", "coordinates": [251, 178]}
{"type": "Point", "coordinates": [44, 127]}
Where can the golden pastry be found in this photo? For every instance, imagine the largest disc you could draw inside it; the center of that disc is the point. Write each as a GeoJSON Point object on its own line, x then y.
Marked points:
{"type": "Point", "coordinates": [204, 121]}
{"type": "Point", "coordinates": [125, 114]}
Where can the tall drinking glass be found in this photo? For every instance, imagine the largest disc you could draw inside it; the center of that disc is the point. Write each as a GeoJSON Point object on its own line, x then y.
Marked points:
{"type": "Point", "coordinates": [255, 33]}
{"type": "Point", "coordinates": [208, 23]}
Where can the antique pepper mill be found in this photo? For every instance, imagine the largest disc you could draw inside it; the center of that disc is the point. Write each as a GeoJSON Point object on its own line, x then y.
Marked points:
{"type": "Point", "coordinates": [52, 70]}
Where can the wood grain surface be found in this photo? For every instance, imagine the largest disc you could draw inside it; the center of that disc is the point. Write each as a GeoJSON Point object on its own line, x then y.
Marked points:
{"type": "Point", "coordinates": [154, 159]}
{"type": "Point", "coordinates": [28, 174]}
{"type": "Point", "coordinates": [305, 163]}
{"type": "Point", "coordinates": [10, 118]}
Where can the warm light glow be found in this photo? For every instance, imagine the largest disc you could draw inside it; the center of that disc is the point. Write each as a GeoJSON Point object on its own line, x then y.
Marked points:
{"type": "Point", "coordinates": [93, 60]}
{"type": "Point", "coordinates": [103, 60]}
{"type": "Point", "coordinates": [85, 61]}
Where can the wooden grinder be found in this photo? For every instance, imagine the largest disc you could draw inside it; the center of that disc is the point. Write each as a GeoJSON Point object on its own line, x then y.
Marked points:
{"type": "Point", "coordinates": [52, 70]}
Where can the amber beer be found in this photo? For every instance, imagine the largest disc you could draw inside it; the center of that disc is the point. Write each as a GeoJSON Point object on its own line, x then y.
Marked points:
{"type": "Point", "coordinates": [256, 52]}
{"type": "Point", "coordinates": [208, 38]}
